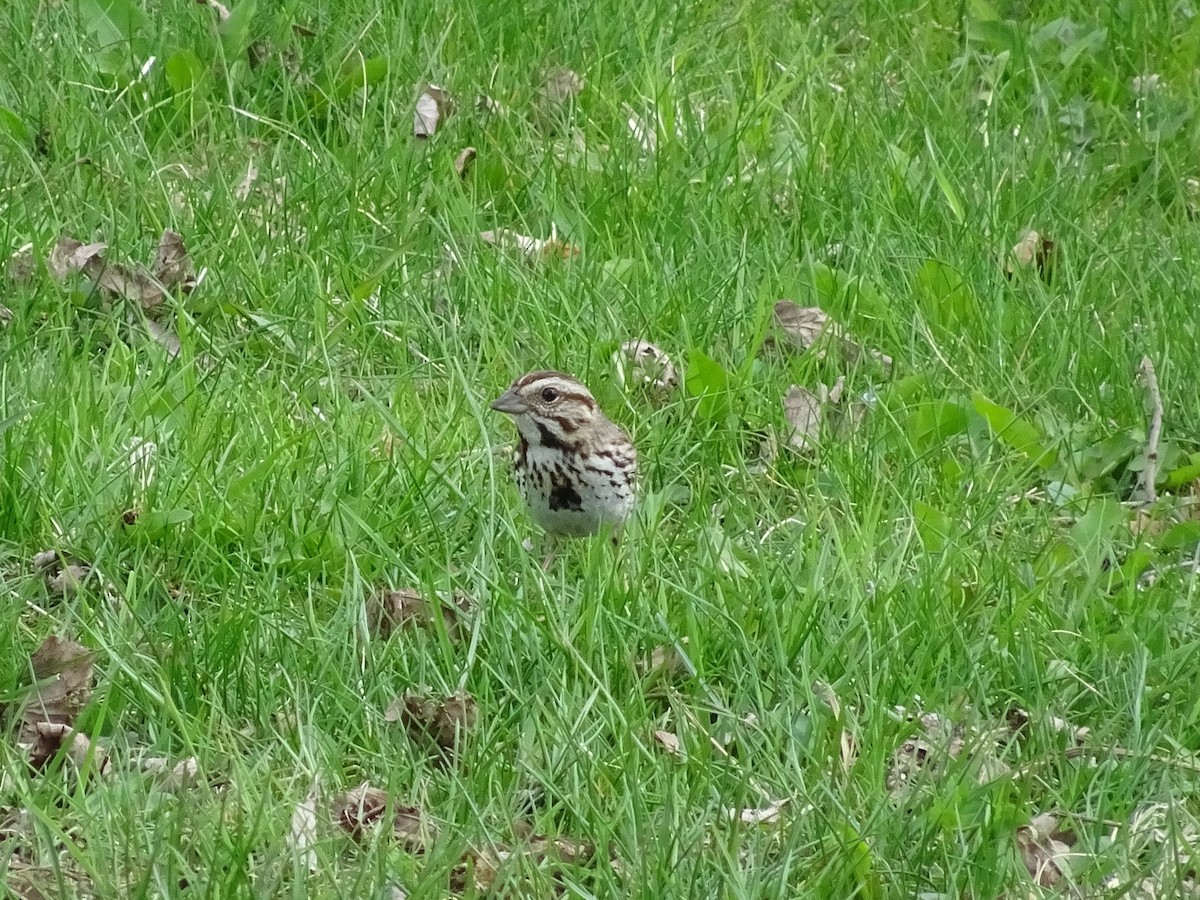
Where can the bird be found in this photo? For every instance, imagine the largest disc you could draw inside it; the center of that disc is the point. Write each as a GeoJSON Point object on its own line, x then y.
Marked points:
{"type": "Point", "coordinates": [574, 467]}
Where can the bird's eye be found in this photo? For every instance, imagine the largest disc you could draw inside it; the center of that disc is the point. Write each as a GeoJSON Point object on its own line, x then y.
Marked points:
{"type": "Point", "coordinates": [549, 395]}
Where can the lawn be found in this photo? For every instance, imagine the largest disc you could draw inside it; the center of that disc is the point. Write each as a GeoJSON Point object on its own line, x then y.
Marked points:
{"type": "Point", "coordinates": [909, 604]}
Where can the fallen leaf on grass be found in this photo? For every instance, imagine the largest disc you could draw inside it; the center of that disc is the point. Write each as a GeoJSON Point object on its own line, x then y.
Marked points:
{"type": "Point", "coordinates": [62, 671]}
{"type": "Point", "coordinates": [666, 661]}
{"type": "Point", "coordinates": [365, 807]}
{"type": "Point", "coordinates": [532, 249]}
{"type": "Point", "coordinates": [767, 815]}
{"type": "Point", "coordinates": [924, 758]}
{"type": "Point", "coordinates": [434, 106]}
{"type": "Point", "coordinates": [172, 264]}
{"type": "Point", "coordinates": [21, 265]}
{"type": "Point", "coordinates": [806, 413]}
{"type": "Point", "coordinates": [174, 776]}
{"type": "Point", "coordinates": [446, 721]}
{"type": "Point", "coordinates": [559, 87]}
{"type": "Point", "coordinates": [806, 327]}
{"type": "Point", "coordinates": [302, 836]}
{"type": "Point", "coordinates": [486, 104]}
{"type": "Point", "coordinates": [389, 611]}
{"type": "Point", "coordinates": [643, 363]}
{"type": "Point", "coordinates": [669, 742]}
{"type": "Point", "coordinates": [464, 161]}
{"type": "Point", "coordinates": [216, 6]}
{"type": "Point", "coordinates": [1044, 850]}
{"type": "Point", "coordinates": [1032, 250]}
{"type": "Point", "coordinates": [1019, 722]}
{"type": "Point", "coordinates": [64, 574]}
{"type": "Point", "coordinates": [54, 737]}
{"type": "Point", "coordinates": [479, 869]}
{"type": "Point", "coordinates": [802, 410]}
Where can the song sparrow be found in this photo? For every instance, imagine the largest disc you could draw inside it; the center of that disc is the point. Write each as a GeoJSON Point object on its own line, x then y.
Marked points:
{"type": "Point", "coordinates": [575, 469]}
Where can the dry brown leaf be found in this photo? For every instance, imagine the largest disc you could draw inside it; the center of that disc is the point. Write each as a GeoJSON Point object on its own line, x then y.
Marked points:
{"type": "Point", "coordinates": [806, 326]}
{"type": "Point", "coordinates": [1018, 722]}
{"type": "Point", "coordinates": [389, 611]}
{"type": "Point", "coordinates": [666, 661]}
{"type": "Point", "coordinates": [172, 264]}
{"type": "Point", "coordinates": [802, 409]}
{"type": "Point", "coordinates": [642, 363]}
{"type": "Point", "coordinates": [133, 284]}
{"type": "Point", "coordinates": [464, 161]}
{"type": "Point", "coordinates": [365, 807]}
{"type": "Point", "coordinates": [64, 574]}
{"type": "Point", "coordinates": [69, 256]}
{"type": "Point", "coordinates": [1032, 250]}
{"type": "Point", "coordinates": [53, 737]}
{"type": "Point", "coordinates": [434, 106]}
{"type": "Point", "coordinates": [1044, 850]}
{"type": "Point", "coordinates": [6, 316]}
{"type": "Point", "coordinates": [532, 249]}
{"type": "Point", "coordinates": [669, 742]}
{"type": "Point", "coordinates": [559, 86]}
{"type": "Point", "coordinates": [445, 721]}
{"type": "Point", "coordinates": [62, 671]}
{"type": "Point", "coordinates": [477, 871]}
{"type": "Point", "coordinates": [848, 750]}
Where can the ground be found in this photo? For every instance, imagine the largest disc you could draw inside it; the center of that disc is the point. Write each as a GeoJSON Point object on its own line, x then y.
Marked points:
{"type": "Point", "coordinates": [930, 630]}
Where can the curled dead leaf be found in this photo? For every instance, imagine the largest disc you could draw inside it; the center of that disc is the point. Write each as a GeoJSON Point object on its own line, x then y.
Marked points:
{"type": "Point", "coordinates": [532, 249]}
{"type": "Point", "coordinates": [446, 721]}
{"type": "Point", "coordinates": [643, 363]}
{"type": "Point", "coordinates": [389, 611]}
{"type": "Point", "coordinates": [55, 737]}
{"type": "Point", "coordinates": [365, 807]}
{"type": "Point", "coordinates": [62, 671]}
{"type": "Point", "coordinates": [669, 741]}
{"type": "Point", "coordinates": [1032, 250]}
{"type": "Point", "coordinates": [803, 410]}
{"type": "Point", "coordinates": [809, 327]}
{"type": "Point", "coordinates": [64, 574]}
{"type": "Point", "coordinates": [464, 161]}
{"type": "Point", "coordinates": [172, 265]}
{"type": "Point", "coordinates": [434, 106]}
{"type": "Point", "coordinates": [1045, 850]}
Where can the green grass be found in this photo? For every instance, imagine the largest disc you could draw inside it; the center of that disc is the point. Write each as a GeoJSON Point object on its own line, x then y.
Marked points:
{"type": "Point", "coordinates": [903, 564]}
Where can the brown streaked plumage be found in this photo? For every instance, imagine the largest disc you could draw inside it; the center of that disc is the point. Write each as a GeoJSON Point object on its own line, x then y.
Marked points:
{"type": "Point", "coordinates": [575, 469]}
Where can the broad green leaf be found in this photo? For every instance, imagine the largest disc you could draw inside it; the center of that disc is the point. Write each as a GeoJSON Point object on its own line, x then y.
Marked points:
{"type": "Point", "coordinates": [235, 31]}
{"type": "Point", "coordinates": [359, 73]}
{"type": "Point", "coordinates": [113, 21]}
{"type": "Point", "coordinates": [1018, 433]}
{"type": "Point", "coordinates": [943, 180]}
{"type": "Point", "coordinates": [839, 293]}
{"type": "Point", "coordinates": [1092, 534]}
{"type": "Point", "coordinates": [1089, 44]}
{"type": "Point", "coordinates": [184, 71]}
{"type": "Point", "coordinates": [946, 299]}
{"type": "Point", "coordinates": [1180, 535]}
{"type": "Point", "coordinates": [1185, 474]}
{"type": "Point", "coordinates": [932, 423]}
{"type": "Point", "coordinates": [934, 527]}
{"type": "Point", "coordinates": [707, 380]}
{"type": "Point", "coordinates": [995, 35]}
{"type": "Point", "coordinates": [12, 123]}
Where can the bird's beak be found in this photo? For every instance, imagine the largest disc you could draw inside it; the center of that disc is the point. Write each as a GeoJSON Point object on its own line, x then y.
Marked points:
{"type": "Point", "coordinates": [510, 403]}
